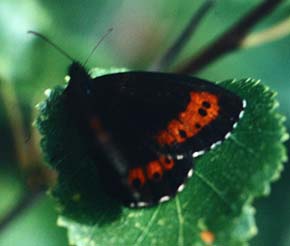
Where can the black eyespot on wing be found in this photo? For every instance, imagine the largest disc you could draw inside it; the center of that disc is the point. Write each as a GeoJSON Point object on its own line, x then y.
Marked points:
{"type": "Point", "coordinates": [206, 104]}
{"type": "Point", "coordinates": [202, 112]}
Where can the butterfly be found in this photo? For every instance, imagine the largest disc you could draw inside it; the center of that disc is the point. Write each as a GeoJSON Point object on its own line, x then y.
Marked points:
{"type": "Point", "coordinates": [146, 128]}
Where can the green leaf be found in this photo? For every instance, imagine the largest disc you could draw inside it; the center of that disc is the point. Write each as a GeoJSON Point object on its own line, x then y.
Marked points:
{"type": "Point", "coordinates": [215, 206]}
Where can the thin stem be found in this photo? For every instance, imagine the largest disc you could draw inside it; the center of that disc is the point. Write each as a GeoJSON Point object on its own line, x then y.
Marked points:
{"type": "Point", "coordinates": [183, 38]}
{"type": "Point", "coordinates": [29, 161]}
{"type": "Point", "coordinates": [278, 31]}
{"type": "Point", "coordinates": [231, 39]}
{"type": "Point", "coordinates": [15, 120]}
{"type": "Point", "coordinates": [28, 200]}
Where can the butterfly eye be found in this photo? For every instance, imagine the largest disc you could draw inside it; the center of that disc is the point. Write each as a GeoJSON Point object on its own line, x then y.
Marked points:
{"type": "Point", "coordinates": [154, 171]}
{"type": "Point", "coordinates": [136, 178]}
{"type": "Point", "coordinates": [167, 162]}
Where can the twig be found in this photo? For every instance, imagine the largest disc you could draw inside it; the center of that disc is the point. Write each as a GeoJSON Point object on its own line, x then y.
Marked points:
{"type": "Point", "coordinates": [27, 201]}
{"type": "Point", "coordinates": [278, 31]}
{"type": "Point", "coordinates": [231, 39]}
{"type": "Point", "coordinates": [15, 120]}
{"type": "Point", "coordinates": [184, 37]}
{"type": "Point", "coordinates": [29, 161]}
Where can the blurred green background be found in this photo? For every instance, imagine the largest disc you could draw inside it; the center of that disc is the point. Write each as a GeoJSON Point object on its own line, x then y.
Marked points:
{"type": "Point", "coordinates": [142, 32]}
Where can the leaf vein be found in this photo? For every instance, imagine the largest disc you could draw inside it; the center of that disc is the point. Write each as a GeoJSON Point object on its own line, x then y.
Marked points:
{"type": "Point", "coordinates": [180, 241]}
{"type": "Point", "coordinates": [240, 144]}
{"type": "Point", "coordinates": [144, 233]}
{"type": "Point", "coordinates": [214, 189]}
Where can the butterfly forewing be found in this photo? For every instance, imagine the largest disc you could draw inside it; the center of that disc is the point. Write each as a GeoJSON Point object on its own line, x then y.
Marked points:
{"type": "Point", "coordinates": [176, 114]}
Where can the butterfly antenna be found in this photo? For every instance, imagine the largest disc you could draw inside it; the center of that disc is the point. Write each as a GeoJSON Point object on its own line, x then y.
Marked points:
{"type": "Point", "coordinates": [52, 44]}
{"type": "Point", "coordinates": [97, 45]}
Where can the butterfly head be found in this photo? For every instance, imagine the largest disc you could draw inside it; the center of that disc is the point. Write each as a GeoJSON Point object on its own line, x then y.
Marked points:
{"type": "Point", "coordinates": [76, 70]}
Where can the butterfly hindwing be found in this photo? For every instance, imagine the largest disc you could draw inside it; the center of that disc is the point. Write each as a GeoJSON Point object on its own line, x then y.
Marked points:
{"type": "Point", "coordinates": [146, 184]}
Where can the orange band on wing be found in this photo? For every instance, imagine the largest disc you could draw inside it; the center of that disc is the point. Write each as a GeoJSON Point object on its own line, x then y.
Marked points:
{"type": "Point", "coordinates": [136, 178]}
{"type": "Point", "coordinates": [202, 109]}
{"type": "Point", "coordinates": [167, 162]}
{"type": "Point", "coordinates": [154, 170]}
